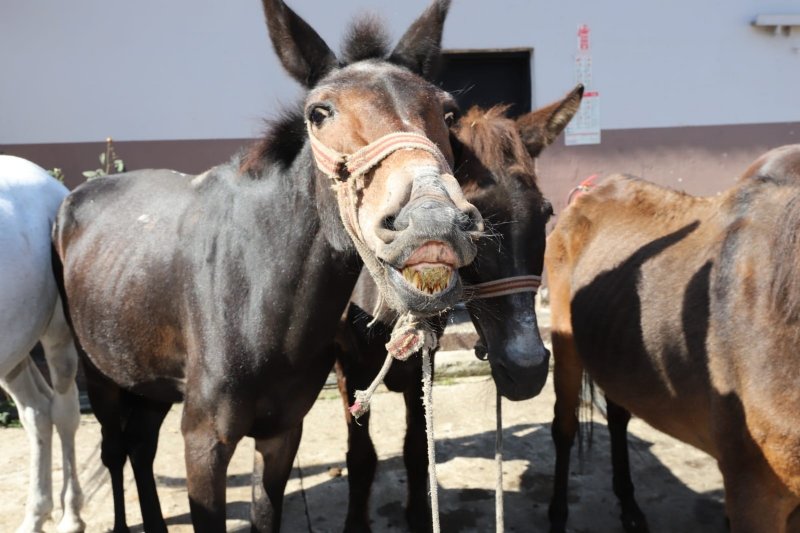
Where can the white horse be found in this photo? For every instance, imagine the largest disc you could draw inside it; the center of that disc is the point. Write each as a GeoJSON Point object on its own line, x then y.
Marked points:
{"type": "Point", "coordinates": [30, 311]}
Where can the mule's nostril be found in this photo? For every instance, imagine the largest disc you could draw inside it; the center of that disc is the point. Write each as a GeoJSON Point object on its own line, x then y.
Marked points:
{"type": "Point", "coordinates": [388, 222]}
{"type": "Point", "coordinates": [471, 221]}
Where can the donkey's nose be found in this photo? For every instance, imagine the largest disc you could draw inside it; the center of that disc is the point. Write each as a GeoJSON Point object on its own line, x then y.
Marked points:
{"type": "Point", "coordinates": [472, 220]}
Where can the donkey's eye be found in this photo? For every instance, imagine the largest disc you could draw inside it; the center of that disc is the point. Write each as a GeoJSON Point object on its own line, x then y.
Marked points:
{"type": "Point", "coordinates": [318, 114]}
{"type": "Point", "coordinates": [449, 118]}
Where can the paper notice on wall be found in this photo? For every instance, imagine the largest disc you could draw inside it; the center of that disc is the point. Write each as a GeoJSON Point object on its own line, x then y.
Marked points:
{"type": "Point", "coordinates": [584, 128]}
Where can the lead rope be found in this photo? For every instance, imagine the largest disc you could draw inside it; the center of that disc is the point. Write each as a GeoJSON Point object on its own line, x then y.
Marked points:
{"type": "Point", "coordinates": [427, 400]}
{"type": "Point", "coordinates": [499, 511]}
{"type": "Point", "coordinates": [491, 289]}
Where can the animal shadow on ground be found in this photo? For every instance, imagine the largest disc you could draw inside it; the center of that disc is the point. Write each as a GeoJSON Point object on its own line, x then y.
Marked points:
{"type": "Point", "coordinates": [466, 468]}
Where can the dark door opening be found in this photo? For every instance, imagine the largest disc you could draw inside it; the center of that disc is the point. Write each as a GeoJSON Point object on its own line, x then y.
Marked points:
{"type": "Point", "coordinates": [488, 77]}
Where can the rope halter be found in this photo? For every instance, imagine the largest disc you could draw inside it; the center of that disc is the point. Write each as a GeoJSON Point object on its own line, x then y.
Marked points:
{"type": "Point", "coordinates": [347, 173]}
{"type": "Point", "coordinates": [340, 167]}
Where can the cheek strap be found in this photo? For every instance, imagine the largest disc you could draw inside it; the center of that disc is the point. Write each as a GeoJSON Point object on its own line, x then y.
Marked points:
{"type": "Point", "coordinates": [504, 286]}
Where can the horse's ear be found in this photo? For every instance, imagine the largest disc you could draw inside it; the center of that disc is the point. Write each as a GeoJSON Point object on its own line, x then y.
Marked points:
{"type": "Point", "coordinates": [301, 50]}
{"type": "Point", "coordinates": [540, 128]}
{"type": "Point", "coordinates": [419, 49]}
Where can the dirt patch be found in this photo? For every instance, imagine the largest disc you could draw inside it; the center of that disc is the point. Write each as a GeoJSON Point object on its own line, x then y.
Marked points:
{"type": "Point", "coordinates": [678, 487]}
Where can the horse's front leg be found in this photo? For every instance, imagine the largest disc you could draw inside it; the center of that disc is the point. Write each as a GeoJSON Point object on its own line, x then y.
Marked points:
{"type": "Point", "coordinates": [633, 520]}
{"type": "Point", "coordinates": [208, 450]}
{"type": "Point", "coordinates": [273, 465]}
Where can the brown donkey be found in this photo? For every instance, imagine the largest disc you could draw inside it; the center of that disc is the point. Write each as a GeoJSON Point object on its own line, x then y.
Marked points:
{"type": "Point", "coordinates": [686, 312]}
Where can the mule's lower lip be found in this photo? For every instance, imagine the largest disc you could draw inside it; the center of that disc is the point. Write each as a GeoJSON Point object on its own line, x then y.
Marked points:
{"type": "Point", "coordinates": [428, 278]}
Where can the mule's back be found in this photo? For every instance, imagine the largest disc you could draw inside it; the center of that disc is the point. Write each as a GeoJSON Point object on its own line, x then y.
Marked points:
{"type": "Point", "coordinates": [622, 263]}
{"type": "Point", "coordinates": [129, 225]}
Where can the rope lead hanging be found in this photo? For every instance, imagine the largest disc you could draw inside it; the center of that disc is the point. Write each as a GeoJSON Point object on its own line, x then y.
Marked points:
{"type": "Point", "coordinates": [427, 400]}
{"type": "Point", "coordinates": [499, 512]}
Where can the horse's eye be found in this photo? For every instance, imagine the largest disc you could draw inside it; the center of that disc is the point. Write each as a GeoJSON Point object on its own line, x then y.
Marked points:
{"type": "Point", "coordinates": [449, 118]}
{"type": "Point", "coordinates": [318, 114]}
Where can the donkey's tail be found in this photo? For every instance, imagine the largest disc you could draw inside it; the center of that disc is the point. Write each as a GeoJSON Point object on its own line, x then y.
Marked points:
{"type": "Point", "coordinates": [588, 401]}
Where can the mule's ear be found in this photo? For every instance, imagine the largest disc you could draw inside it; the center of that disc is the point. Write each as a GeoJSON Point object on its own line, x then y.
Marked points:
{"type": "Point", "coordinates": [540, 128]}
{"type": "Point", "coordinates": [420, 48]}
{"type": "Point", "coordinates": [301, 50]}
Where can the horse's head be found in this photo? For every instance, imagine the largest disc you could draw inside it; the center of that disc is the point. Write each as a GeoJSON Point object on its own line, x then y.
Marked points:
{"type": "Point", "coordinates": [378, 132]}
{"type": "Point", "coordinates": [495, 158]}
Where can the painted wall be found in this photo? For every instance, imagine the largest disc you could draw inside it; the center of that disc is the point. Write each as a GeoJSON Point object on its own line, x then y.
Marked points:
{"type": "Point", "coordinates": [202, 69]}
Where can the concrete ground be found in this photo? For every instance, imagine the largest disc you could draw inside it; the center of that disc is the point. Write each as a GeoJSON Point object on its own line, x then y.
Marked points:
{"type": "Point", "coordinates": [678, 487]}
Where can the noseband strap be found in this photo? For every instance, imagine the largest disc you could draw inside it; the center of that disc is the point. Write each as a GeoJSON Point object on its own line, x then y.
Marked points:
{"type": "Point", "coordinates": [340, 167]}
{"type": "Point", "coordinates": [505, 286]}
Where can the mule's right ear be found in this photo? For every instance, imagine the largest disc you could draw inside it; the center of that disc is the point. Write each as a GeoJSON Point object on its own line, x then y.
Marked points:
{"type": "Point", "coordinates": [540, 128]}
{"type": "Point", "coordinates": [301, 50]}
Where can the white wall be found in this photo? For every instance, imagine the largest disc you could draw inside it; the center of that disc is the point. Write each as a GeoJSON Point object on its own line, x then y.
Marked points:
{"type": "Point", "coordinates": [191, 69]}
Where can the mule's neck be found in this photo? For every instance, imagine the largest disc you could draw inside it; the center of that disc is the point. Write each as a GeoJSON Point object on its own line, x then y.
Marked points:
{"type": "Point", "coordinates": [320, 262]}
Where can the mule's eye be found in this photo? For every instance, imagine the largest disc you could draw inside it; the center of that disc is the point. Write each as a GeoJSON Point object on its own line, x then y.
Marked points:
{"type": "Point", "coordinates": [449, 118]}
{"type": "Point", "coordinates": [318, 114]}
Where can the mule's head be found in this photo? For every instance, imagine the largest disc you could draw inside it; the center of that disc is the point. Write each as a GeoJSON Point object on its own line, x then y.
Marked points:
{"type": "Point", "coordinates": [495, 161]}
{"type": "Point", "coordinates": [378, 133]}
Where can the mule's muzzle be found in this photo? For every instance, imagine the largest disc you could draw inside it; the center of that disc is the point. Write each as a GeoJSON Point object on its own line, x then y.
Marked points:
{"type": "Point", "coordinates": [520, 376]}
{"type": "Point", "coordinates": [428, 244]}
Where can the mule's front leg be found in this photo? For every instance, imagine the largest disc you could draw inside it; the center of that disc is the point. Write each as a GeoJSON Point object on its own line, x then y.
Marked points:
{"type": "Point", "coordinates": [415, 457]}
{"type": "Point", "coordinates": [207, 452]}
{"type": "Point", "coordinates": [273, 465]}
{"type": "Point", "coordinates": [567, 374]}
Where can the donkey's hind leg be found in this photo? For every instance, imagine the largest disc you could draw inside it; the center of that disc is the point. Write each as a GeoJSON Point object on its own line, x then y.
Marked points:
{"type": "Point", "coordinates": [141, 442]}
{"type": "Point", "coordinates": [32, 396]}
{"type": "Point", "coordinates": [109, 405]}
{"type": "Point", "coordinates": [633, 520]}
{"type": "Point", "coordinates": [62, 361]}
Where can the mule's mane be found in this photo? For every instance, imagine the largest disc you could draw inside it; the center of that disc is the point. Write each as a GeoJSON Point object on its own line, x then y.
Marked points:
{"type": "Point", "coordinates": [365, 39]}
{"type": "Point", "coordinates": [495, 140]}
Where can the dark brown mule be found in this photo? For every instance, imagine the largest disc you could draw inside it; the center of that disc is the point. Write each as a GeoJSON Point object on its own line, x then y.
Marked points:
{"type": "Point", "coordinates": [495, 164]}
{"type": "Point", "coordinates": [686, 312]}
{"type": "Point", "coordinates": [225, 289]}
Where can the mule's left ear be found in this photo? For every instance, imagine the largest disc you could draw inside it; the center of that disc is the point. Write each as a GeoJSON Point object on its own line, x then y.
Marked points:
{"type": "Point", "coordinates": [540, 128]}
{"type": "Point", "coordinates": [303, 53]}
{"type": "Point", "coordinates": [419, 49]}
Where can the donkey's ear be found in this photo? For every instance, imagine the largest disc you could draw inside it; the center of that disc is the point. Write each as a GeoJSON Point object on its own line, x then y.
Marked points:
{"type": "Point", "coordinates": [420, 47]}
{"type": "Point", "coordinates": [301, 50]}
{"type": "Point", "coordinates": [540, 128]}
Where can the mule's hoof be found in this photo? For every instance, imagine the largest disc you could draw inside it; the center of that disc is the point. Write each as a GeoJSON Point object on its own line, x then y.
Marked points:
{"type": "Point", "coordinates": [356, 528]}
{"type": "Point", "coordinates": [33, 524]}
{"type": "Point", "coordinates": [71, 524]}
{"type": "Point", "coordinates": [634, 524]}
